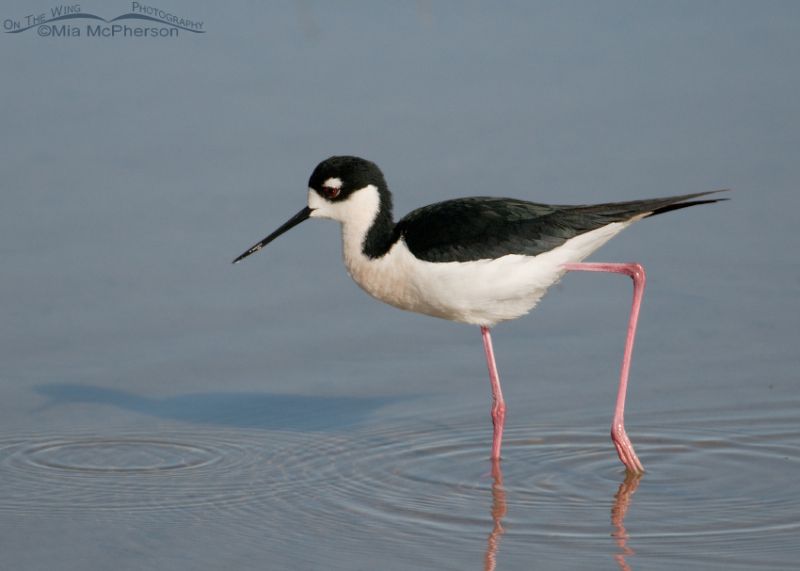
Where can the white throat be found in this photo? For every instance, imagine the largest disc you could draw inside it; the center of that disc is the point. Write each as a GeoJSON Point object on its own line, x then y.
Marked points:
{"type": "Point", "coordinates": [385, 278]}
{"type": "Point", "coordinates": [356, 215]}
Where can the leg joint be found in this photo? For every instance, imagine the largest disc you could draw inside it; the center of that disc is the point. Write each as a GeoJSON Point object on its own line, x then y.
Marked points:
{"type": "Point", "coordinates": [636, 272]}
{"type": "Point", "coordinates": [632, 269]}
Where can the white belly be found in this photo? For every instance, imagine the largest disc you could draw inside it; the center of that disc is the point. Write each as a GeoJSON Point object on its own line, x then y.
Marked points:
{"type": "Point", "coordinates": [483, 292]}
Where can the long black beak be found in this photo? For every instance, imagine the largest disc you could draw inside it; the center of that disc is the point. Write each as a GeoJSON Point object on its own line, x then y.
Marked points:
{"type": "Point", "coordinates": [288, 225]}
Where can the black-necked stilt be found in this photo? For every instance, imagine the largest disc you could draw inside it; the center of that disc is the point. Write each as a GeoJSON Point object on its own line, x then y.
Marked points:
{"type": "Point", "coordinates": [478, 260]}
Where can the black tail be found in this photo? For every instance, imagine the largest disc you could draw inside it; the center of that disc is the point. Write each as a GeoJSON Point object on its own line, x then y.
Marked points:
{"type": "Point", "coordinates": [600, 214]}
{"type": "Point", "coordinates": [678, 205]}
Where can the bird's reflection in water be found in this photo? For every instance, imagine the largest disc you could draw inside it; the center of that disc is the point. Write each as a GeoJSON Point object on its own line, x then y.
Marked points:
{"type": "Point", "coordinates": [622, 501]}
{"type": "Point", "coordinates": [499, 509]}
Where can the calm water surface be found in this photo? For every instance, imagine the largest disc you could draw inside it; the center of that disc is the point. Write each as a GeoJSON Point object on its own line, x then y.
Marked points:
{"type": "Point", "coordinates": [162, 409]}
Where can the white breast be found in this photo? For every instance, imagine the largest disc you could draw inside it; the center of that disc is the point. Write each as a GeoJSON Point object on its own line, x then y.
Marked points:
{"type": "Point", "coordinates": [482, 292]}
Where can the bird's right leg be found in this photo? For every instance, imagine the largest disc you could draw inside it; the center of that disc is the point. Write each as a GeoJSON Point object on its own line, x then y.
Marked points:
{"type": "Point", "coordinates": [618, 434]}
{"type": "Point", "coordinates": [498, 404]}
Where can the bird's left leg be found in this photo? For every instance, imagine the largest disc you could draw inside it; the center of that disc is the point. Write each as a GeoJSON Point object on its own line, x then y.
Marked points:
{"type": "Point", "coordinates": [618, 434]}
{"type": "Point", "coordinates": [498, 404]}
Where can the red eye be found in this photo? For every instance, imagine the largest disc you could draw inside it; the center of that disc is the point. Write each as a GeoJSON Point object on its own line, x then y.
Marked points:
{"type": "Point", "coordinates": [331, 191]}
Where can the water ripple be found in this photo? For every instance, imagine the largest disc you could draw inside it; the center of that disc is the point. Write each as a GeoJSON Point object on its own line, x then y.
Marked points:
{"type": "Point", "coordinates": [136, 472]}
{"type": "Point", "coordinates": [721, 486]}
{"type": "Point", "coordinates": [426, 480]}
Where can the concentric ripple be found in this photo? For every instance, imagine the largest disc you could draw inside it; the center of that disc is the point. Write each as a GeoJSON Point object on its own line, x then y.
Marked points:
{"type": "Point", "coordinates": [706, 482]}
{"type": "Point", "coordinates": [727, 484]}
{"type": "Point", "coordinates": [140, 472]}
{"type": "Point", "coordinates": [123, 456]}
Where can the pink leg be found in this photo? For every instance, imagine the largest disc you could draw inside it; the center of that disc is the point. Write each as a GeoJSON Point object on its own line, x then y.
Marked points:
{"type": "Point", "coordinates": [618, 434]}
{"type": "Point", "coordinates": [498, 404]}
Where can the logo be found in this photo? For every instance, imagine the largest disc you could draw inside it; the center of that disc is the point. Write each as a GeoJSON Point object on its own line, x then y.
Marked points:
{"type": "Point", "coordinates": [69, 21]}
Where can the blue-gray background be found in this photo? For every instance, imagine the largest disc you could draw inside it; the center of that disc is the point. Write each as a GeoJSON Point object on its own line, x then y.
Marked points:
{"type": "Point", "coordinates": [133, 170]}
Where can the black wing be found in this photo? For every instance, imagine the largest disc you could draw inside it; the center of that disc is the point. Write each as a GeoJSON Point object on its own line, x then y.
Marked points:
{"type": "Point", "coordinates": [467, 229]}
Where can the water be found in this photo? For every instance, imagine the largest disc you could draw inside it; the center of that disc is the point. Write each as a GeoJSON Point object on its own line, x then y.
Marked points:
{"type": "Point", "coordinates": [161, 409]}
{"type": "Point", "coordinates": [422, 492]}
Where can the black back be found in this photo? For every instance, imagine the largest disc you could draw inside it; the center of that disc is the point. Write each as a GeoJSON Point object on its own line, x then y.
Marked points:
{"type": "Point", "coordinates": [468, 229]}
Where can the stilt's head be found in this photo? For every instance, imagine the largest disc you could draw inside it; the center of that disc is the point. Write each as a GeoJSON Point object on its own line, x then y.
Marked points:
{"type": "Point", "coordinates": [342, 188]}
{"type": "Point", "coordinates": [346, 188]}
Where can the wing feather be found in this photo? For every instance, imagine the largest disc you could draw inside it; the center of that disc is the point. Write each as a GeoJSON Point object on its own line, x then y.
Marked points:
{"type": "Point", "coordinates": [467, 229]}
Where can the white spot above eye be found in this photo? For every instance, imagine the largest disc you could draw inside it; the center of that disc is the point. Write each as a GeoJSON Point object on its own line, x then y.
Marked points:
{"type": "Point", "coordinates": [333, 182]}
{"type": "Point", "coordinates": [357, 212]}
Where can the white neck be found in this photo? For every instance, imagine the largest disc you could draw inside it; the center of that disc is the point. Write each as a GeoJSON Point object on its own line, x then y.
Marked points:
{"type": "Point", "coordinates": [356, 215]}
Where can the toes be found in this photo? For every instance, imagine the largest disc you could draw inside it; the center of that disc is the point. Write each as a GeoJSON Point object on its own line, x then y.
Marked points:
{"type": "Point", "coordinates": [626, 453]}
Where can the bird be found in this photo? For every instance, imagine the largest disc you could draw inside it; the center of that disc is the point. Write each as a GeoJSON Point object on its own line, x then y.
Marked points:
{"type": "Point", "coordinates": [477, 260]}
